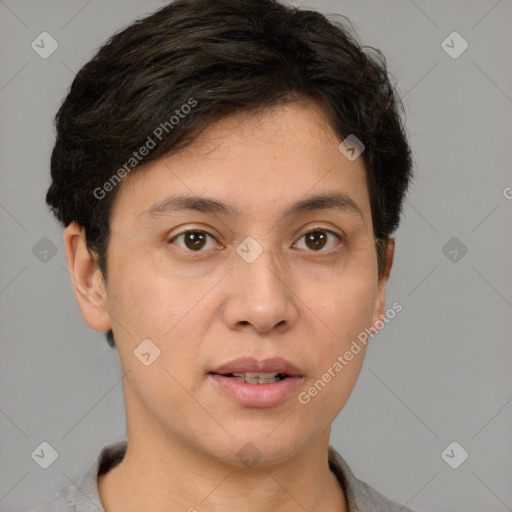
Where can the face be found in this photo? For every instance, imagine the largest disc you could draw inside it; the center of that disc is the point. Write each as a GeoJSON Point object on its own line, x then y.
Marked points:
{"type": "Point", "coordinates": [258, 271]}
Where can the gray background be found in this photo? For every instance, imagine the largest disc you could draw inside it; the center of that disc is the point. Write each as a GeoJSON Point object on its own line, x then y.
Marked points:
{"type": "Point", "coordinates": [439, 372]}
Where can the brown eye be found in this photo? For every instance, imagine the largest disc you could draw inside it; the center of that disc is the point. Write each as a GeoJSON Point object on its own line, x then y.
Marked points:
{"type": "Point", "coordinates": [318, 239]}
{"type": "Point", "coordinates": [193, 240]}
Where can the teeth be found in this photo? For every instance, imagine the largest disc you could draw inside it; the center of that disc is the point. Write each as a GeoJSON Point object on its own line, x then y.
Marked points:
{"type": "Point", "coordinates": [257, 378]}
{"type": "Point", "coordinates": [260, 381]}
{"type": "Point", "coordinates": [257, 375]}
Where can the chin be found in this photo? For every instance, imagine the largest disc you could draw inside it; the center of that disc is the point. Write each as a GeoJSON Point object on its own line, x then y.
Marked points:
{"type": "Point", "coordinates": [257, 447]}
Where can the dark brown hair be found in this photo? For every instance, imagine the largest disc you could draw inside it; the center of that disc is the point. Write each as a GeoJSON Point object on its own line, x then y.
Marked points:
{"type": "Point", "coordinates": [226, 56]}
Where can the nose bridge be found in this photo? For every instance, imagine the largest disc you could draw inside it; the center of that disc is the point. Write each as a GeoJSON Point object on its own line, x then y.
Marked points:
{"type": "Point", "coordinates": [265, 271]}
{"type": "Point", "coordinates": [261, 291]}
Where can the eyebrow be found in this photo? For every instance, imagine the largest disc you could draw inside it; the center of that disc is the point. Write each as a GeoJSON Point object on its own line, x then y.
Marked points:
{"type": "Point", "coordinates": [335, 201]}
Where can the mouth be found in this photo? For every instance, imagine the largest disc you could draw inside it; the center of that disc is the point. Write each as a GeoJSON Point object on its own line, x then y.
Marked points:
{"type": "Point", "coordinates": [251, 370]}
{"type": "Point", "coordinates": [257, 384]}
{"type": "Point", "coordinates": [256, 378]}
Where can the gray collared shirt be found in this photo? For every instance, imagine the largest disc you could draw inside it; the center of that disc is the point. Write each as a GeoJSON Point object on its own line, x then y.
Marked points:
{"type": "Point", "coordinates": [84, 497]}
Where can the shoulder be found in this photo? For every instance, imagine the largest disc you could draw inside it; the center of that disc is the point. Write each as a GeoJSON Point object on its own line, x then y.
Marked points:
{"type": "Point", "coordinates": [70, 499]}
{"type": "Point", "coordinates": [84, 497]}
{"type": "Point", "coordinates": [50, 506]}
{"type": "Point", "coordinates": [360, 496]}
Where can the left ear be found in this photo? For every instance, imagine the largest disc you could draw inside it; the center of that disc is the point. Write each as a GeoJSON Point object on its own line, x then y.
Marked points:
{"type": "Point", "coordinates": [380, 304]}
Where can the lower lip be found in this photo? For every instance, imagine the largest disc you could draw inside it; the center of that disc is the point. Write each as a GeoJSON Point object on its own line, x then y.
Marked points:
{"type": "Point", "coordinates": [258, 395]}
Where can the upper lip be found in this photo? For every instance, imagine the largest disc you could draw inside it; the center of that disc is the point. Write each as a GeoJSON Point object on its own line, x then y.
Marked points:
{"type": "Point", "coordinates": [250, 364]}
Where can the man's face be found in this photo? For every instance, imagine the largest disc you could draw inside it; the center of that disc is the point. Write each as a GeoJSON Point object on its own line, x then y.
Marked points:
{"type": "Point", "coordinates": [258, 284]}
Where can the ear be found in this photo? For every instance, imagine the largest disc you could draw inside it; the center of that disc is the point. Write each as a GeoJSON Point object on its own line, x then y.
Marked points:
{"type": "Point", "coordinates": [380, 304]}
{"type": "Point", "coordinates": [86, 278]}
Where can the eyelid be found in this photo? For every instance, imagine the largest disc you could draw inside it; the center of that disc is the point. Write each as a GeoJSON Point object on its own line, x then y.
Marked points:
{"type": "Point", "coordinates": [172, 238]}
{"type": "Point", "coordinates": [341, 238]}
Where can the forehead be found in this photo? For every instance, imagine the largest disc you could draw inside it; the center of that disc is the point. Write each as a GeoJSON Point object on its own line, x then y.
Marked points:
{"type": "Point", "coordinates": [255, 164]}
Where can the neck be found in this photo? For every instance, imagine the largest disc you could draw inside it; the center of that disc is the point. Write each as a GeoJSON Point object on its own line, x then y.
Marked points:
{"type": "Point", "coordinates": [179, 478]}
{"type": "Point", "coordinates": [169, 471]}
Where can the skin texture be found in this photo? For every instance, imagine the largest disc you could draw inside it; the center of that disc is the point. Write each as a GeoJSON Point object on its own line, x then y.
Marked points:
{"type": "Point", "coordinates": [203, 309]}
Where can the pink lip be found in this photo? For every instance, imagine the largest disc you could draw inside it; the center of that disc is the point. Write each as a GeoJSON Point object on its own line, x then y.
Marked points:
{"type": "Point", "coordinates": [249, 364]}
{"type": "Point", "coordinates": [258, 395]}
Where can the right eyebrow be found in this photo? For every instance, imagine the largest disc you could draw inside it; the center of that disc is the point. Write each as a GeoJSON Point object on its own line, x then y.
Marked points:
{"type": "Point", "coordinates": [182, 202]}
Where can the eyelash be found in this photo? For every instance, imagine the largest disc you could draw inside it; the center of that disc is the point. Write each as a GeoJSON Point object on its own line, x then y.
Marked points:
{"type": "Point", "coordinates": [339, 237]}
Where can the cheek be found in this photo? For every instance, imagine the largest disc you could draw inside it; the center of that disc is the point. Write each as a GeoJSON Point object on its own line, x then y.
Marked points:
{"type": "Point", "coordinates": [171, 314]}
{"type": "Point", "coordinates": [343, 305]}
{"type": "Point", "coordinates": [149, 304]}
{"type": "Point", "coordinates": [159, 310]}
{"type": "Point", "coordinates": [340, 312]}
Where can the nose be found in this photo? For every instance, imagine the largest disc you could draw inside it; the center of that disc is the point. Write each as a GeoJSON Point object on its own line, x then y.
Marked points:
{"type": "Point", "coordinates": [261, 295]}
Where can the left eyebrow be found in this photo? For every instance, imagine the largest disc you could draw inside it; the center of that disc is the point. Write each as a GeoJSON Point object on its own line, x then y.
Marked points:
{"type": "Point", "coordinates": [338, 201]}
{"type": "Point", "coordinates": [327, 201]}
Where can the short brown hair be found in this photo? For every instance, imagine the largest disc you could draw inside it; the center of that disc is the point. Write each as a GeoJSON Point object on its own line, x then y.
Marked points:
{"type": "Point", "coordinates": [228, 56]}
